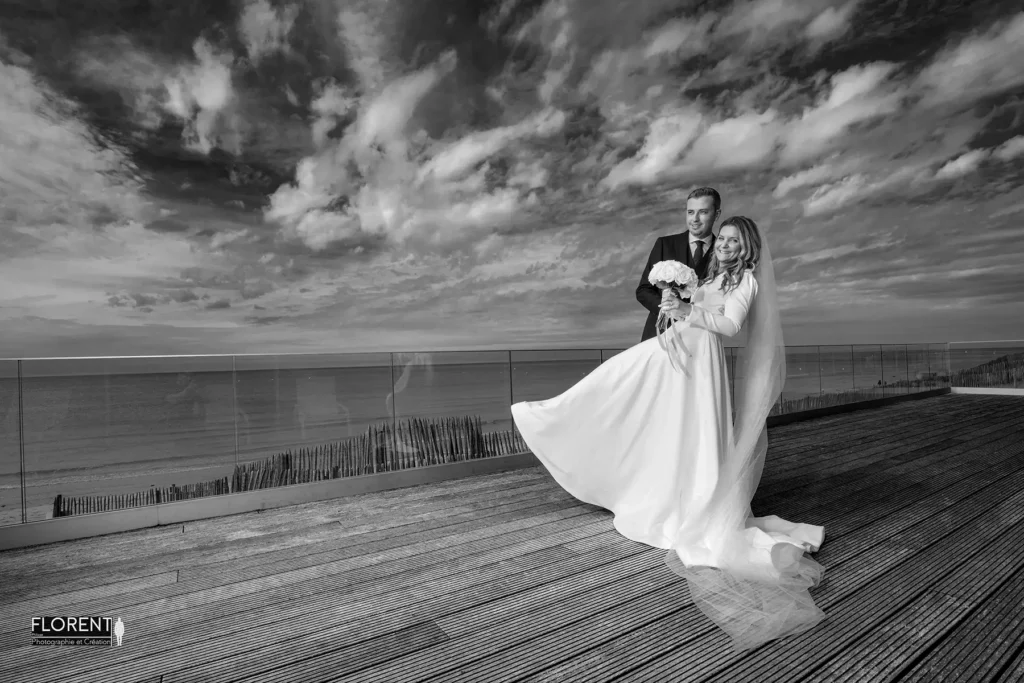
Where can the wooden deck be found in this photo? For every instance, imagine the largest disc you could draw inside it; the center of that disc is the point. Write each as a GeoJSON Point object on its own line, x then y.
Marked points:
{"type": "Point", "coordinates": [506, 578]}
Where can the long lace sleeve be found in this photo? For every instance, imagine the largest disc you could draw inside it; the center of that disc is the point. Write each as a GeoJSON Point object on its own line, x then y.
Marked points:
{"type": "Point", "coordinates": [737, 305]}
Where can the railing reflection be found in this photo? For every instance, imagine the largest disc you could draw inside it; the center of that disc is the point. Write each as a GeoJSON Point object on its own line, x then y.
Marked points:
{"type": "Point", "coordinates": [88, 435]}
{"type": "Point", "coordinates": [995, 364]}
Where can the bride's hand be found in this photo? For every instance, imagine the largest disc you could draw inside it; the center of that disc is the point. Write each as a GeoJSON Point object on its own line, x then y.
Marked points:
{"type": "Point", "coordinates": [676, 309]}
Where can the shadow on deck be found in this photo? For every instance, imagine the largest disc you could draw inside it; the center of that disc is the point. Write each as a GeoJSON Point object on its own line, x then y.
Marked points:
{"type": "Point", "coordinates": [506, 578]}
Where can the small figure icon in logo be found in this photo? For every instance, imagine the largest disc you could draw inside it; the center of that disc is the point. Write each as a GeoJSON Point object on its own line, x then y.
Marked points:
{"type": "Point", "coordinates": [119, 630]}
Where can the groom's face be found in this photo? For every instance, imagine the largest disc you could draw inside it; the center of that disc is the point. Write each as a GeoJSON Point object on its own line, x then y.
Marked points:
{"type": "Point", "coordinates": [700, 216]}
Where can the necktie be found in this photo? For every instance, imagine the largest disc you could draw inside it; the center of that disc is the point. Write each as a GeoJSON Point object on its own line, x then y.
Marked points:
{"type": "Point", "coordinates": [698, 252]}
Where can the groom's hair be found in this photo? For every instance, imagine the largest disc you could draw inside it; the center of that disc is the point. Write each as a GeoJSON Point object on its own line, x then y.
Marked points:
{"type": "Point", "coordinates": [707, 192]}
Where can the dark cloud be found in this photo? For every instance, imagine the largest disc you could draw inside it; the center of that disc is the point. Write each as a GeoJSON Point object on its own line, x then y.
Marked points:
{"type": "Point", "coordinates": [168, 225]}
{"type": "Point", "coordinates": [420, 253]}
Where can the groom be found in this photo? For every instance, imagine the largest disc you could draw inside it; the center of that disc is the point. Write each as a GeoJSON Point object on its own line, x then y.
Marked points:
{"type": "Point", "coordinates": [692, 248]}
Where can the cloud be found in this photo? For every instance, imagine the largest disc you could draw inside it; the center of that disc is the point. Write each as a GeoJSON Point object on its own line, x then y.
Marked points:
{"type": "Point", "coordinates": [459, 157]}
{"type": "Point", "coordinates": [831, 23]}
{"type": "Point", "coordinates": [962, 165]}
{"type": "Point", "coordinates": [331, 106]}
{"type": "Point", "coordinates": [668, 136]}
{"type": "Point", "coordinates": [198, 95]}
{"type": "Point", "coordinates": [385, 178]}
{"type": "Point", "coordinates": [857, 94]}
{"type": "Point", "coordinates": [984, 63]}
{"type": "Point", "coordinates": [818, 174]}
{"type": "Point", "coordinates": [836, 195]}
{"type": "Point", "coordinates": [741, 142]}
{"type": "Point", "coordinates": [1011, 149]}
{"type": "Point", "coordinates": [264, 29]}
{"type": "Point", "coordinates": [362, 27]}
{"type": "Point", "coordinates": [56, 171]}
{"type": "Point", "coordinates": [759, 21]}
{"type": "Point", "coordinates": [116, 63]}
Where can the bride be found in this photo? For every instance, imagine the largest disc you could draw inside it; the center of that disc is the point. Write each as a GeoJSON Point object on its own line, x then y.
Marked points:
{"type": "Point", "coordinates": [655, 435]}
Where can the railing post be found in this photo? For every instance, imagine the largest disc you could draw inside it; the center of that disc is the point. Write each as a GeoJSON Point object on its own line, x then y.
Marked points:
{"type": "Point", "coordinates": [881, 367]}
{"type": "Point", "coordinates": [949, 364]}
{"type": "Point", "coordinates": [234, 404]}
{"type": "Point", "coordinates": [21, 445]}
{"type": "Point", "coordinates": [394, 411]}
{"type": "Point", "coordinates": [906, 363]}
{"type": "Point", "coordinates": [821, 387]}
{"type": "Point", "coordinates": [511, 391]}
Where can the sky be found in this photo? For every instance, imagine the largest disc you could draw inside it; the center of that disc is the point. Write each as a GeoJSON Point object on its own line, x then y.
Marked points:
{"type": "Point", "coordinates": [331, 176]}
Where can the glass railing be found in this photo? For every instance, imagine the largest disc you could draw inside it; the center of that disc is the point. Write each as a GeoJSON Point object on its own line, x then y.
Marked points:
{"type": "Point", "coordinates": [990, 365]}
{"type": "Point", "coordinates": [91, 435]}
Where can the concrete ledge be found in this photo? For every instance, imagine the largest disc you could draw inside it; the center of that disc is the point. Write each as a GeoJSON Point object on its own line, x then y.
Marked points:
{"type": "Point", "coordinates": [987, 391]}
{"type": "Point", "coordinates": [789, 418]}
{"type": "Point", "coordinates": [101, 523]}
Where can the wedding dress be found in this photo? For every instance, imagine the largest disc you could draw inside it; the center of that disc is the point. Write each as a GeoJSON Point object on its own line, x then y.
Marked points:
{"type": "Point", "coordinates": [657, 445]}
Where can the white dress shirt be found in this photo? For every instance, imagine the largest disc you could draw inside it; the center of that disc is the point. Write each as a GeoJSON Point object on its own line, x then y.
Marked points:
{"type": "Point", "coordinates": [706, 241]}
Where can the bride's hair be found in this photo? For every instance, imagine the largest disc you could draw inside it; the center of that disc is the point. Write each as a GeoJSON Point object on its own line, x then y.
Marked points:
{"type": "Point", "coordinates": [749, 257]}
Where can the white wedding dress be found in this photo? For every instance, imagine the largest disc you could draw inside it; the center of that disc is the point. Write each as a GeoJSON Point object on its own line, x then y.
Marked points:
{"type": "Point", "coordinates": [655, 445]}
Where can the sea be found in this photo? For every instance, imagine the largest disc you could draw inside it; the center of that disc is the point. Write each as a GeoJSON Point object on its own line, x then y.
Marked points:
{"type": "Point", "coordinates": [117, 426]}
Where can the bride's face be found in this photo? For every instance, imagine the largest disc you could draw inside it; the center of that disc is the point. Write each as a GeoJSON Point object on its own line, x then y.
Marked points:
{"type": "Point", "coordinates": [728, 244]}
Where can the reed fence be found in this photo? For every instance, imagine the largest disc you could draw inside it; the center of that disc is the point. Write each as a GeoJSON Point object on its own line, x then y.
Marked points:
{"type": "Point", "coordinates": [1003, 372]}
{"type": "Point", "coordinates": [385, 447]}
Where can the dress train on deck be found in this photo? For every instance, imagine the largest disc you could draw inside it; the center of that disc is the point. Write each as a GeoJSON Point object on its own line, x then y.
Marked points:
{"type": "Point", "coordinates": [656, 447]}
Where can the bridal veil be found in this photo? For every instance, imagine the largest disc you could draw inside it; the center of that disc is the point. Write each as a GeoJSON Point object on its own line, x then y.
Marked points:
{"type": "Point", "coordinates": [757, 588]}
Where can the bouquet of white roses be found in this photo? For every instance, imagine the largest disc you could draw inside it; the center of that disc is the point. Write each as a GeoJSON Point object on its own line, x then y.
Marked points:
{"type": "Point", "coordinates": [682, 280]}
{"type": "Point", "coordinates": [673, 275]}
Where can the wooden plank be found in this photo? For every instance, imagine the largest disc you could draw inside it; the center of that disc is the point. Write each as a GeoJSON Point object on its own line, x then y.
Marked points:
{"type": "Point", "coordinates": [897, 522]}
{"type": "Point", "coordinates": [255, 648]}
{"type": "Point", "coordinates": [289, 659]}
{"type": "Point", "coordinates": [888, 562]}
{"type": "Point", "coordinates": [1014, 671]}
{"type": "Point", "coordinates": [861, 421]}
{"type": "Point", "coordinates": [353, 657]}
{"type": "Point", "coordinates": [609, 607]}
{"type": "Point", "coordinates": [262, 562]}
{"type": "Point", "coordinates": [865, 592]}
{"type": "Point", "coordinates": [840, 476]}
{"type": "Point", "coordinates": [48, 603]}
{"type": "Point", "coordinates": [785, 457]}
{"type": "Point", "coordinates": [896, 437]}
{"type": "Point", "coordinates": [888, 476]}
{"type": "Point", "coordinates": [887, 482]}
{"type": "Point", "coordinates": [917, 502]}
{"type": "Point", "coordinates": [891, 649]}
{"type": "Point", "coordinates": [106, 554]}
{"type": "Point", "coordinates": [181, 628]}
{"type": "Point", "coordinates": [981, 645]}
{"type": "Point", "coordinates": [787, 453]}
{"type": "Point", "coordinates": [623, 655]}
{"type": "Point", "coordinates": [226, 615]}
{"type": "Point", "coordinates": [828, 469]}
{"type": "Point", "coordinates": [167, 622]}
{"type": "Point", "coordinates": [215, 530]}
{"type": "Point", "coordinates": [154, 601]}
{"type": "Point", "coordinates": [609, 660]}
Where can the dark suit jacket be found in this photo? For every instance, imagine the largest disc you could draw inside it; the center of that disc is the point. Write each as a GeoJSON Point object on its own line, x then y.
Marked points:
{"type": "Point", "coordinates": [667, 248]}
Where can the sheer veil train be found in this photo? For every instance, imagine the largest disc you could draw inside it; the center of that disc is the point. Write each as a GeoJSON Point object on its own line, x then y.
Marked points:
{"type": "Point", "coordinates": [757, 589]}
